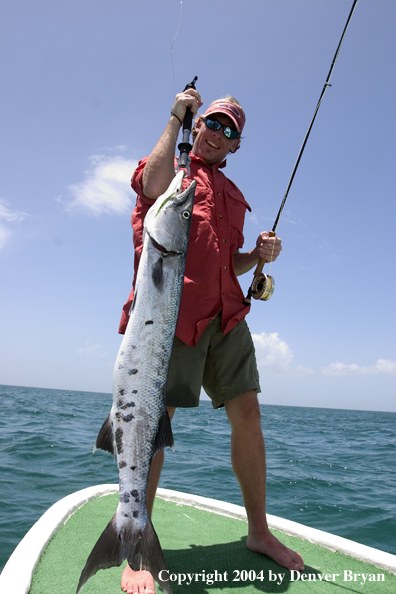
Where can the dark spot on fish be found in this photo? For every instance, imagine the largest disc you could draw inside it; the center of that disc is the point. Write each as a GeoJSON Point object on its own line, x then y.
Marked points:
{"type": "Point", "coordinates": [120, 367]}
{"type": "Point", "coordinates": [121, 391]}
{"type": "Point", "coordinates": [121, 352]}
{"type": "Point", "coordinates": [133, 467]}
{"type": "Point", "coordinates": [127, 418]}
{"type": "Point", "coordinates": [149, 322]}
{"type": "Point", "coordinates": [118, 414]}
{"type": "Point", "coordinates": [118, 438]}
{"type": "Point", "coordinates": [133, 303]}
{"type": "Point", "coordinates": [157, 273]}
{"type": "Point", "coordinates": [120, 403]}
{"type": "Point", "coordinates": [122, 464]}
{"type": "Point", "coordinates": [135, 514]}
{"type": "Point", "coordinates": [134, 391]}
{"type": "Point", "coordinates": [135, 493]}
{"type": "Point", "coordinates": [132, 371]}
{"type": "Point", "coordinates": [126, 516]}
{"type": "Point", "coordinates": [124, 498]}
{"type": "Point", "coordinates": [127, 405]}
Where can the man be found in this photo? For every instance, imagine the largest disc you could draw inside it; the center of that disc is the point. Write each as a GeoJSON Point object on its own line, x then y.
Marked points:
{"type": "Point", "coordinates": [213, 346]}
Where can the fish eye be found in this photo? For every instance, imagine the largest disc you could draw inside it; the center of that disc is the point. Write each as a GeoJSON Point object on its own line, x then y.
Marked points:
{"type": "Point", "coordinates": [186, 214]}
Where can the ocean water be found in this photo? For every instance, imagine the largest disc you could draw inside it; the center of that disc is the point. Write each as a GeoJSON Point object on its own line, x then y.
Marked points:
{"type": "Point", "coordinates": [334, 470]}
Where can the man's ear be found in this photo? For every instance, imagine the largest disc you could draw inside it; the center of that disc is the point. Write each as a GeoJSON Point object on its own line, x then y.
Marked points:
{"type": "Point", "coordinates": [196, 127]}
{"type": "Point", "coordinates": [236, 145]}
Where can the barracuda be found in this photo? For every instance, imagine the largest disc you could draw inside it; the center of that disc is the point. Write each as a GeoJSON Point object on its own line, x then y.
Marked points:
{"type": "Point", "coordinates": [138, 425]}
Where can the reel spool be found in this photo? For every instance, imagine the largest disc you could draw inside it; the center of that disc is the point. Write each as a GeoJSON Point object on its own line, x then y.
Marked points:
{"type": "Point", "coordinates": [262, 287]}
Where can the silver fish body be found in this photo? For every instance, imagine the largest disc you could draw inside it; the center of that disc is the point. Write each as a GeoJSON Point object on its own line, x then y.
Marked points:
{"type": "Point", "coordinates": [138, 425]}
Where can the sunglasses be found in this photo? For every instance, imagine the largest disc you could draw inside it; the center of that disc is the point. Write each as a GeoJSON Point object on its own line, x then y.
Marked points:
{"type": "Point", "coordinates": [227, 131]}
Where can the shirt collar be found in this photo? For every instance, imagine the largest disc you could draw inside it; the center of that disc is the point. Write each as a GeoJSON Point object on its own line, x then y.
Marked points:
{"type": "Point", "coordinates": [216, 166]}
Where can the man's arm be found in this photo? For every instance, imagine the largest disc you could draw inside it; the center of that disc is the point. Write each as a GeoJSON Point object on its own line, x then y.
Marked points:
{"type": "Point", "coordinates": [160, 167]}
{"type": "Point", "coordinates": [267, 248]}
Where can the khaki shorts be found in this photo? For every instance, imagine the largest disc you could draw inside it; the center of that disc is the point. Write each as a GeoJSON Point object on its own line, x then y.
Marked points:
{"type": "Point", "coordinates": [225, 366]}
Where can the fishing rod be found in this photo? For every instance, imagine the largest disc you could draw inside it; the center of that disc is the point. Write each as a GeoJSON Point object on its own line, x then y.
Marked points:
{"type": "Point", "coordinates": [263, 285]}
{"type": "Point", "coordinates": [185, 146]}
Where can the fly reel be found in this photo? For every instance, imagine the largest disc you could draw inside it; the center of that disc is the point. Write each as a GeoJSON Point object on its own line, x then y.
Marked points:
{"type": "Point", "coordinates": [262, 287]}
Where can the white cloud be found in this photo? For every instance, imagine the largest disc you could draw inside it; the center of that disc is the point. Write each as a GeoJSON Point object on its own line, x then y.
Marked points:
{"type": "Point", "coordinates": [301, 370]}
{"type": "Point", "coordinates": [4, 236]}
{"type": "Point", "coordinates": [272, 352]}
{"type": "Point", "coordinates": [382, 366]}
{"type": "Point", "coordinates": [253, 219]}
{"type": "Point", "coordinates": [8, 216]}
{"type": "Point", "coordinates": [95, 350]}
{"type": "Point", "coordinates": [106, 187]}
{"type": "Point", "coordinates": [118, 148]}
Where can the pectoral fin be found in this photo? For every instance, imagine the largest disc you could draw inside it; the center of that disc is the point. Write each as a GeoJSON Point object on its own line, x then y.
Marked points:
{"type": "Point", "coordinates": [164, 436]}
{"type": "Point", "coordinates": [105, 440]}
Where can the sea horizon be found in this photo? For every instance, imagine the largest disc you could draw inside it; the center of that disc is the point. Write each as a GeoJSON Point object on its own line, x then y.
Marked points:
{"type": "Point", "coordinates": [203, 398]}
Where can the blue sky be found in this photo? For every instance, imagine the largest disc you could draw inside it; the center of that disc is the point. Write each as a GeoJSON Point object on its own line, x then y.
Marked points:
{"type": "Point", "coordinates": [86, 91]}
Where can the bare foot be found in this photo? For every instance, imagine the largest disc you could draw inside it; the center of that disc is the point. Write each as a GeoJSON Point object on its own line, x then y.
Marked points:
{"type": "Point", "coordinates": [273, 548]}
{"type": "Point", "coordinates": [137, 582]}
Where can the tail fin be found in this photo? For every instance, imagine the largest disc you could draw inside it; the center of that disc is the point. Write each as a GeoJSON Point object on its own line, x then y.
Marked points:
{"type": "Point", "coordinates": [141, 548]}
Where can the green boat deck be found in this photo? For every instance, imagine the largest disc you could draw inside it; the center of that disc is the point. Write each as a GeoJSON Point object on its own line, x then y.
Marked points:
{"type": "Point", "coordinates": [205, 553]}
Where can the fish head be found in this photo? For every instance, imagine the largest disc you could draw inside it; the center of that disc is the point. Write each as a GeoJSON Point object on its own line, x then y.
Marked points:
{"type": "Point", "coordinates": [168, 221]}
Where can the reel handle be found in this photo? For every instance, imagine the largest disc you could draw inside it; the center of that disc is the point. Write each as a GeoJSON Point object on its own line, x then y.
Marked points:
{"type": "Point", "coordinates": [261, 262]}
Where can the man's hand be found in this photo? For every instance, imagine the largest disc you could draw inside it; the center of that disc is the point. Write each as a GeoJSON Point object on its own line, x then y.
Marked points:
{"type": "Point", "coordinates": [189, 98]}
{"type": "Point", "coordinates": [268, 248]}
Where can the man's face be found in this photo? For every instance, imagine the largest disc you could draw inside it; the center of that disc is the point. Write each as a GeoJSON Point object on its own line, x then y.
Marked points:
{"type": "Point", "coordinates": [211, 145]}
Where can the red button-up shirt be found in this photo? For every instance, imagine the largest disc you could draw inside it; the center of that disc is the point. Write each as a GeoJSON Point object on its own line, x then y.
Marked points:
{"type": "Point", "coordinates": [210, 283]}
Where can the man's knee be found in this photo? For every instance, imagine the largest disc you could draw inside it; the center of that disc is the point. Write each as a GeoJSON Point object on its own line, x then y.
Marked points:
{"type": "Point", "coordinates": [244, 411]}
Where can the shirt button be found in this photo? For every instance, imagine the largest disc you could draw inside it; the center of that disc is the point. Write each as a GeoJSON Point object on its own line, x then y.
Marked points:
{"type": "Point", "coordinates": [218, 193]}
{"type": "Point", "coordinates": [225, 267]}
{"type": "Point", "coordinates": [224, 240]}
{"type": "Point", "coordinates": [220, 216]}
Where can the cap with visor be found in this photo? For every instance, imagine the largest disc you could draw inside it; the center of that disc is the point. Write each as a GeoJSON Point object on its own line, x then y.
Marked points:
{"type": "Point", "coordinates": [229, 109]}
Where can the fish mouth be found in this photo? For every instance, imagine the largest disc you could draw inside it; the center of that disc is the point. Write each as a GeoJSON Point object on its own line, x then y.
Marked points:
{"type": "Point", "coordinates": [186, 198]}
{"type": "Point", "coordinates": [162, 249]}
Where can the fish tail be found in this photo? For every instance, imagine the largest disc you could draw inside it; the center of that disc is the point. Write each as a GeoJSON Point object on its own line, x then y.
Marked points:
{"type": "Point", "coordinates": [148, 555]}
{"type": "Point", "coordinates": [141, 548]}
{"type": "Point", "coordinates": [107, 552]}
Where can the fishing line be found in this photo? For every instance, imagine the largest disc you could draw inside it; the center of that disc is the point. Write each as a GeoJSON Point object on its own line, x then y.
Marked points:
{"type": "Point", "coordinates": [171, 47]}
{"type": "Point", "coordinates": [263, 285]}
{"type": "Point", "coordinates": [325, 87]}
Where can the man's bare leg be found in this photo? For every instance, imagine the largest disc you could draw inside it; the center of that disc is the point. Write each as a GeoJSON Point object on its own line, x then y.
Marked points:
{"type": "Point", "coordinates": [248, 463]}
{"type": "Point", "coordinates": [142, 582]}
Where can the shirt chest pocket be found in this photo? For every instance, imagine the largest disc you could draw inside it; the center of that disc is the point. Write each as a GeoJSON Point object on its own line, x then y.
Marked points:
{"type": "Point", "coordinates": [237, 219]}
